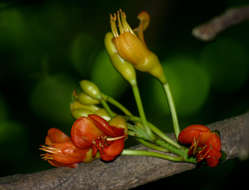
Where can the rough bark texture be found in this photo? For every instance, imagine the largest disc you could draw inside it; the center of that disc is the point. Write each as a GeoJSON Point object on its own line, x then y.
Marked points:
{"type": "Point", "coordinates": [209, 30]}
{"type": "Point", "coordinates": [128, 171]}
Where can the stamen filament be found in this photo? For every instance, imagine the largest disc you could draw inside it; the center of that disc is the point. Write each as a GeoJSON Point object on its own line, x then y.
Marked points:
{"type": "Point", "coordinates": [115, 138]}
{"type": "Point", "coordinates": [125, 23]}
{"type": "Point", "coordinates": [113, 19]}
{"type": "Point", "coordinates": [120, 24]}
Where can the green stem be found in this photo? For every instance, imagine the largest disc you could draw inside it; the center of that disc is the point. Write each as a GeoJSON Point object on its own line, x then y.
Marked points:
{"type": "Point", "coordinates": [150, 153]}
{"type": "Point", "coordinates": [141, 110]}
{"type": "Point", "coordinates": [107, 108]}
{"type": "Point", "coordinates": [152, 146]}
{"type": "Point", "coordinates": [157, 132]}
{"type": "Point", "coordinates": [181, 152]}
{"type": "Point", "coordinates": [117, 104]}
{"type": "Point", "coordinates": [172, 109]}
{"type": "Point", "coordinates": [163, 135]}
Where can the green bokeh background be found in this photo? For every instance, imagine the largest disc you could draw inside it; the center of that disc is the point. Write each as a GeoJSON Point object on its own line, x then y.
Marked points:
{"type": "Point", "coordinates": [47, 47]}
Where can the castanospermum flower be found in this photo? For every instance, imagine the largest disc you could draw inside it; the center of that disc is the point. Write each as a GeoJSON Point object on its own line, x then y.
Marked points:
{"type": "Point", "coordinates": [96, 133]}
{"type": "Point", "coordinates": [61, 152]}
{"type": "Point", "coordinates": [205, 144]}
{"type": "Point", "coordinates": [131, 46]}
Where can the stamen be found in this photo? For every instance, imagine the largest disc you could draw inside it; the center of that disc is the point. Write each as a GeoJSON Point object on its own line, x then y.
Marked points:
{"type": "Point", "coordinates": [125, 24]}
{"type": "Point", "coordinates": [113, 19]}
{"type": "Point", "coordinates": [202, 154]}
{"type": "Point", "coordinates": [49, 149]}
{"type": "Point", "coordinates": [115, 138]}
{"type": "Point", "coordinates": [120, 26]}
{"type": "Point", "coordinates": [47, 157]}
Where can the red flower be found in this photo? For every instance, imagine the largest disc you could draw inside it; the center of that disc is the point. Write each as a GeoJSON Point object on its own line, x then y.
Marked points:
{"type": "Point", "coordinates": [84, 132]}
{"type": "Point", "coordinates": [60, 151]}
{"type": "Point", "coordinates": [96, 133]}
{"type": "Point", "coordinates": [205, 144]}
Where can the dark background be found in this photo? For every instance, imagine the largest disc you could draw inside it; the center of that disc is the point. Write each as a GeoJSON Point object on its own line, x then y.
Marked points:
{"type": "Point", "coordinates": [47, 47]}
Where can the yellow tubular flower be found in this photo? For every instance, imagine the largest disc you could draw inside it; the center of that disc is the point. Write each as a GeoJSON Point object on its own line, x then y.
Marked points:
{"type": "Point", "coordinates": [132, 47]}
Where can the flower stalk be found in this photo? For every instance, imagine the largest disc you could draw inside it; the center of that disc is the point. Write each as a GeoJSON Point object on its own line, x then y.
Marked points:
{"type": "Point", "coordinates": [172, 109]}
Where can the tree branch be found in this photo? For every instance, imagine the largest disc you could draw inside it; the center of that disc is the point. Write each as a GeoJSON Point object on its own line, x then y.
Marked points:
{"type": "Point", "coordinates": [127, 171]}
{"type": "Point", "coordinates": [209, 30]}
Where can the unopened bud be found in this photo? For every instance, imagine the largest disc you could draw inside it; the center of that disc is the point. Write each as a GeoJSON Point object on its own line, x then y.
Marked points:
{"type": "Point", "coordinates": [77, 113]}
{"type": "Point", "coordinates": [88, 156]}
{"type": "Point", "coordinates": [119, 122]}
{"type": "Point", "coordinates": [85, 99]}
{"type": "Point", "coordinates": [102, 113]}
{"type": "Point", "coordinates": [77, 105]}
{"type": "Point", "coordinates": [90, 89]}
{"type": "Point", "coordinates": [125, 68]}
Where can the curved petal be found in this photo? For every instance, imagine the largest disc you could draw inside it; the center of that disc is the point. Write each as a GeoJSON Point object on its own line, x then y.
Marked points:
{"type": "Point", "coordinates": [84, 132]}
{"type": "Point", "coordinates": [56, 136]}
{"type": "Point", "coordinates": [103, 125]}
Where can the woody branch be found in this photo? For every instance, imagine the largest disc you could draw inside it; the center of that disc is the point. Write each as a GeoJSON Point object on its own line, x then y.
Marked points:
{"type": "Point", "coordinates": [208, 31]}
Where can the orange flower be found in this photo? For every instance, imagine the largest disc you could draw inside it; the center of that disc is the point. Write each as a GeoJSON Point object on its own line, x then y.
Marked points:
{"type": "Point", "coordinates": [61, 152]}
{"type": "Point", "coordinates": [111, 145]}
{"type": "Point", "coordinates": [205, 144]}
{"type": "Point", "coordinates": [84, 132]}
{"type": "Point", "coordinates": [96, 133]}
{"type": "Point", "coordinates": [132, 47]}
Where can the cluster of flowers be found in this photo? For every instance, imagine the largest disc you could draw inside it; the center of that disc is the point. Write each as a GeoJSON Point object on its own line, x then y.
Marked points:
{"type": "Point", "coordinates": [91, 137]}
{"type": "Point", "coordinates": [205, 144]}
{"type": "Point", "coordinates": [98, 132]}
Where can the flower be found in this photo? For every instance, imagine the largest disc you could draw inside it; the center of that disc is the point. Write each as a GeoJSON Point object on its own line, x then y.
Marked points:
{"type": "Point", "coordinates": [84, 132]}
{"type": "Point", "coordinates": [205, 144]}
{"type": "Point", "coordinates": [111, 145]}
{"type": "Point", "coordinates": [132, 47]}
{"type": "Point", "coordinates": [96, 133]}
{"type": "Point", "coordinates": [60, 151]}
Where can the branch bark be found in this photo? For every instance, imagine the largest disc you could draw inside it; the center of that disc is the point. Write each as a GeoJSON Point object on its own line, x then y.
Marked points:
{"type": "Point", "coordinates": [209, 30]}
{"type": "Point", "coordinates": [127, 171]}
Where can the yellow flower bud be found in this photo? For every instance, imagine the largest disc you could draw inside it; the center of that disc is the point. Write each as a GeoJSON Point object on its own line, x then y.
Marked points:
{"type": "Point", "coordinates": [85, 99]}
{"type": "Point", "coordinates": [77, 105]}
{"type": "Point", "coordinates": [132, 47]}
{"type": "Point", "coordinates": [88, 156]}
{"type": "Point", "coordinates": [102, 113]}
{"type": "Point", "coordinates": [77, 113]}
{"type": "Point", "coordinates": [120, 122]}
{"type": "Point", "coordinates": [122, 66]}
{"type": "Point", "coordinates": [90, 89]}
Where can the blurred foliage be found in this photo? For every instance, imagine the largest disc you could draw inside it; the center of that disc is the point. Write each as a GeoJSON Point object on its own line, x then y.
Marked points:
{"type": "Point", "coordinates": [47, 47]}
{"type": "Point", "coordinates": [83, 51]}
{"type": "Point", "coordinates": [226, 61]}
{"type": "Point", "coordinates": [51, 97]}
{"type": "Point", "coordinates": [3, 109]}
{"type": "Point", "coordinates": [189, 83]}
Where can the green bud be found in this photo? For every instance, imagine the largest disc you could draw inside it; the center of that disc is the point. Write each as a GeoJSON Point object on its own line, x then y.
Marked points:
{"type": "Point", "coordinates": [119, 122]}
{"type": "Point", "coordinates": [77, 113]}
{"type": "Point", "coordinates": [102, 113]}
{"type": "Point", "coordinates": [123, 67]}
{"type": "Point", "coordinates": [90, 89]}
{"type": "Point", "coordinates": [85, 99]}
{"type": "Point", "coordinates": [88, 157]}
{"type": "Point", "coordinates": [77, 105]}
